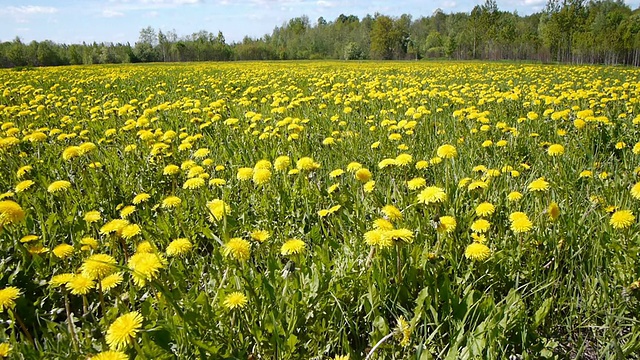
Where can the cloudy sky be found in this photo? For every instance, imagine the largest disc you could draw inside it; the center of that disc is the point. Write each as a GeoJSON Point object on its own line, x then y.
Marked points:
{"type": "Point", "coordinates": [74, 21]}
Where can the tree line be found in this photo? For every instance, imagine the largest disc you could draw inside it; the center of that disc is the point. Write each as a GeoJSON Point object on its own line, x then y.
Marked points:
{"type": "Point", "coordinates": [571, 31]}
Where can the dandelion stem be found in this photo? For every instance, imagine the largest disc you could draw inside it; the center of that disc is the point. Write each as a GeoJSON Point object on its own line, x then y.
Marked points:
{"type": "Point", "coordinates": [23, 327]}
{"type": "Point", "coordinates": [373, 349]}
{"type": "Point", "coordinates": [72, 331]}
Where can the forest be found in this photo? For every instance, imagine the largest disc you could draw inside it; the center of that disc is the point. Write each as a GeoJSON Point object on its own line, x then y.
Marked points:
{"type": "Point", "coordinates": [567, 31]}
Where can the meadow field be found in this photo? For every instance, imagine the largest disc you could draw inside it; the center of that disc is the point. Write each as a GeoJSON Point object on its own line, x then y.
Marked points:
{"type": "Point", "coordinates": [320, 210]}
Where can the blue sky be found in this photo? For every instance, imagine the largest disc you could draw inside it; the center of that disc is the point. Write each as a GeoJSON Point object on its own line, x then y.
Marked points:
{"type": "Point", "coordinates": [74, 21]}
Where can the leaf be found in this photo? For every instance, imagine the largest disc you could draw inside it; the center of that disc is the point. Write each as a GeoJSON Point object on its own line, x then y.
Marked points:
{"type": "Point", "coordinates": [542, 312]}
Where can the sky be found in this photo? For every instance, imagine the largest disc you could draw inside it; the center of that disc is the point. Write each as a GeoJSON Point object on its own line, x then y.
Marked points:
{"type": "Point", "coordinates": [75, 21]}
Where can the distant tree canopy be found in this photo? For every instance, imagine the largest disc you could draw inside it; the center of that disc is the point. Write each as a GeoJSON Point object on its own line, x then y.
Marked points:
{"type": "Point", "coordinates": [574, 31]}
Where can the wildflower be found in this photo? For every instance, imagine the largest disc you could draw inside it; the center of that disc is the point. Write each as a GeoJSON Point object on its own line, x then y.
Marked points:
{"type": "Point", "coordinates": [335, 173]}
{"type": "Point", "coordinates": [378, 237]}
{"type": "Point", "coordinates": [23, 185]}
{"type": "Point", "coordinates": [260, 235]}
{"type": "Point", "coordinates": [10, 213]}
{"type": "Point", "coordinates": [404, 330]}
{"type": "Point", "coordinates": [88, 243]}
{"type": "Point", "coordinates": [111, 281]}
{"type": "Point", "coordinates": [92, 216]}
{"type": "Point", "coordinates": [479, 238]}
{"type": "Point", "coordinates": [392, 212]}
{"type": "Point", "coordinates": [485, 209]}
{"type": "Point", "coordinates": [403, 160]}
{"type": "Point", "coordinates": [145, 267]}
{"type": "Point", "coordinates": [282, 163]}
{"type": "Point", "coordinates": [422, 164]}
{"type": "Point", "coordinates": [113, 226]}
{"type": "Point", "coordinates": [58, 186]}
{"type": "Point", "coordinates": [292, 246]}
{"type": "Point", "coordinates": [8, 296]}
{"type": "Point", "coordinates": [432, 195]}
{"type": "Point", "coordinates": [447, 151]}
{"type": "Point", "coordinates": [235, 300]}
{"type": "Point", "coordinates": [79, 285]}
{"type": "Point", "coordinates": [144, 247]}
{"type": "Point", "coordinates": [307, 164]}
{"type": "Point", "coordinates": [514, 196]}
{"type": "Point", "coordinates": [480, 225]}
{"type": "Point", "coordinates": [110, 355]}
{"type": "Point", "coordinates": [63, 250]}
{"type": "Point", "coordinates": [477, 252]}
{"type": "Point", "coordinates": [61, 279]}
{"type": "Point", "coordinates": [404, 235]}
{"type": "Point", "coordinates": [237, 248]}
{"type": "Point", "coordinates": [555, 150]}
{"type": "Point", "coordinates": [171, 202]}
{"type": "Point", "coordinates": [29, 238]}
{"type": "Point", "coordinates": [123, 330]}
{"type": "Point", "coordinates": [140, 198]}
{"type": "Point", "coordinates": [178, 247]}
{"type": "Point", "coordinates": [22, 171]}
{"type": "Point", "coordinates": [447, 224]}
{"type": "Point", "coordinates": [386, 163]}
{"type": "Point", "coordinates": [193, 183]}
{"type": "Point", "coordinates": [217, 182]}
{"type": "Point", "coordinates": [130, 231]}
{"type": "Point", "coordinates": [170, 170]}
{"type": "Point", "coordinates": [520, 222]}
{"type": "Point", "coordinates": [622, 219]}
{"type": "Point", "coordinates": [126, 211]}
{"type": "Point", "coordinates": [218, 209]}
{"type": "Point", "coordinates": [363, 175]}
{"type": "Point", "coordinates": [478, 184]}
{"type": "Point", "coordinates": [98, 266]}
{"type": "Point", "coordinates": [244, 174]}
{"type": "Point", "coordinates": [353, 167]}
{"type": "Point", "coordinates": [416, 183]}
{"type": "Point", "coordinates": [382, 224]}
{"type": "Point", "coordinates": [540, 184]}
{"type": "Point", "coordinates": [369, 186]}
{"type": "Point", "coordinates": [553, 211]}
{"type": "Point", "coordinates": [71, 152]}
{"type": "Point", "coordinates": [201, 153]}
{"type": "Point", "coordinates": [261, 176]}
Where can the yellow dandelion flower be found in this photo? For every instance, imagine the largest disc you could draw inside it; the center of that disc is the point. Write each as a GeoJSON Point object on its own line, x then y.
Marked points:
{"type": "Point", "coordinates": [171, 170]}
{"type": "Point", "coordinates": [382, 224]}
{"type": "Point", "coordinates": [353, 167]}
{"type": "Point", "coordinates": [140, 198]}
{"type": "Point", "coordinates": [282, 163]}
{"type": "Point", "coordinates": [480, 226]}
{"type": "Point", "coordinates": [218, 209]}
{"type": "Point", "coordinates": [217, 182]}
{"type": "Point", "coordinates": [144, 247]}
{"type": "Point", "coordinates": [447, 224]}
{"type": "Point", "coordinates": [478, 184]}
{"type": "Point", "coordinates": [363, 175]}
{"type": "Point", "coordinates": [113, 226]}
{"type": "Point", "coordinates": [110, 355]}
{"type": "Point", "coordinates": [386, 163]}
{"type": "Point", "coordinates": [485, 209]}
{"type": "Point", "coordinates": [514, 196]}
{"type": "Point", "coordinates": [171, 202]}
{"type": "Point", "coordinates": [58, 186]}
{"type": "Point", "coordinates": [403, 160]}
{"type": "Point", "coordinates": [553, 211]}
{"type": "Point", "coordinates": [98, 266]}
{"type": "Point", "coordinates": [22, 171]}
{"type": "Point", "coordinates": [111, 281]}
{"type": "Point", "coordinates": [126, 211]}
{"type": "Point", "coordinates": [335, 173]}
{"type": "Point", "coordinates": [8, 296]}
{"type": "Point", "coordinates": [145, 267]}
{"type": "Point", "coordinates": [622, 219]}
{"type": "Point", "coordinates": [130, 231]}
{"type": "Point", "coordinates": [555, 150]}
{"type": "Point", "coordinates": [63, 250]}
{"type": "Point", "coordinates": [29, 238]}
{"type": "Point", "coordinates": [71, 152]}
{"type": "Point", "coordinates": [80, 285]}
{"type": "Point", "coordinates": [88, 243]}
{"type": "Point", "coordinates": [261, 176]}
{"type": "Point", "coordinates": [378, 238]}
{"type": "Point", "coordinates": [260, 235]}
{"type": "Point", "coordinates": [416, 183]}
{"type": "Point", "coordinates": [179, 247]}
{"type": "Point", "coordinates": [307, 164]}
{"type": "Point", "coordinates": [540, 184]}
{"type": "Point", "coordinates": [124, 330]}
{"type": "Point", "coordinates": [447, 151]}
{"type": "Point", "coordinates": [477, 252]}
{"type": "Point", "coordinates": [369, 186]}
{"type": "Point", "coordinates": [237, 248]}
{"type": "Point", "coordinates": [292, 246]}
{"type": "Point", "coordinates": [193, 183]}
{"type": "Point", "coordinates": [61, 279]}
{"type": "Point", "coordinates": [244, 174]}
{"type": "Point", "coordinates": [23, 185]}
{"type": "Point", "coordinates": [235, 300]}
{"type": "Point", "coordinates": [403, 329]}
{"type": "Point", "coordinates": [263, 164]}
{"type": "Point", "coordinates": [432, 195]}
{"type": "Point", "coordinates": [422, 164]}
{"type": "Point", "coordinates": [520, 222]}
{"type": "Point", "coordinates": [10, 213]}
{"type": "Point", "coordinates": [392, 212]}
{"type": "Point", "coordinates": [92, 216]}
{"type": "Point", "coordinates": [405, 235]}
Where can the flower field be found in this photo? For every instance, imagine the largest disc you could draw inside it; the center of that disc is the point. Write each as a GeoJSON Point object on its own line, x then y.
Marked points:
{"type": "Point", "coordinates": [320, 210]}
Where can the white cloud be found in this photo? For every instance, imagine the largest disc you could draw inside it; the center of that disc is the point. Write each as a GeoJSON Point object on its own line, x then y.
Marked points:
{"type": "Point", "coordinates": [324, 3]}
{"type": "Point", "coordinates": [108, 13]}
{"type": "Point", "coordinates": [533, 2]}
{"type": "Point", "coordinates": [28, 10]}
